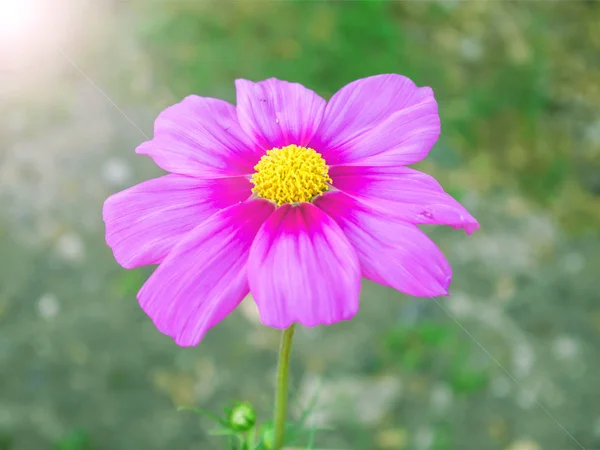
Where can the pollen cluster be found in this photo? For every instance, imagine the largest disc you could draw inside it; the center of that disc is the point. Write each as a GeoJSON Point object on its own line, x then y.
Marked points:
{"type": "Point", "coordinates": [291, 174]}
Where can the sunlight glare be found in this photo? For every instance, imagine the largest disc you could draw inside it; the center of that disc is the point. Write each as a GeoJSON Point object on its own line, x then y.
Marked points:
{"type": "Point", "coordinates": [17, 18]}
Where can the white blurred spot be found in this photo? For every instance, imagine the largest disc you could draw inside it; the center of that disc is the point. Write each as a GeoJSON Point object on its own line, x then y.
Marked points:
{"type": "Point", "coordinates": [48, 306]}
{"type": "Point", "coordinates": [206, 379]}
{"type": "Point", "coordinates": [367, 400]}
{"type": "Point", "coordinates": [596, 427]}
{"type": "Point", "coordinates": [573, 263]}
{"type": "Point", "coordinates": [449, 5]}
{"type": "Point", "coordinates": [116, 172]}
{"type": "Point", "coordinates": [490, 314]}
{"type": "Point", "coordinates": [70, 247]}
{"type": "Point", "coordinates": [523, 358]}
{"type": "Point", "coordinates": [527, 398]}
{"type": "Point", "coordinates": [541, 229]}
{"type": "Point", "coordinates": [376, 398]}
{"type": "Point", "coordinates": [501, 386]}
{"type": "Point", "coordinates": [565, 347]}
{"type": "Point", "coordinates": [441, 397]}
{"type": "Point", "coordinates": [424, 438]}
{"type": "Point", "coordinates": [460, 305]}
{"type": "Point", "coordinates": [593, 133]}
{"type": "Point", "coordinates": [524, 445]}
{"type": "Point", "coordinates": [17, 18]}
{"type": "Point", "coordinates": [502, 251]}
{"type": "Point", "coordinates": [471, 49]}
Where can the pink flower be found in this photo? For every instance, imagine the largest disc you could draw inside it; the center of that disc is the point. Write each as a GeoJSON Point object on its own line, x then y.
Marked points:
{"type": "Point", "coordinates": [289, 197]}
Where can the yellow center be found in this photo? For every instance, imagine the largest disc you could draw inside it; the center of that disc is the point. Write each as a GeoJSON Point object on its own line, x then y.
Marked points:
{"type": "Point", "coordinates": [290, 174]}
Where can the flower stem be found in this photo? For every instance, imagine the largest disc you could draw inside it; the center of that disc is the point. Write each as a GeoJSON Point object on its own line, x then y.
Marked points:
{"type": "Point", "coordinates": [283, 370]}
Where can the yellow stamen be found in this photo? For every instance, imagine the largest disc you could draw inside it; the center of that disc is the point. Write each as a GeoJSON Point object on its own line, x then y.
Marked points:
{"type": "Point", "coordinates": [291, 174]}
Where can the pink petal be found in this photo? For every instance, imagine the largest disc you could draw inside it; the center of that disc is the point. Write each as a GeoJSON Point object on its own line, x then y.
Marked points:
{"type": "Point", "coordinates": [204, 278]}
{"type": "Point", "coordinates": [277, 113]}
{"type": "Point", "coordinates": [303, 269]}
{"type": "Point", "coordinates": [391, 252]}
{"type": "Point", "coordinates": [404, 193]}
{"type": "Point", "coordinates": [144, 222]}
{"type": "Point", "coordinates": [201, 137]}
{"type": "Point", "coordinates": [385, 118]}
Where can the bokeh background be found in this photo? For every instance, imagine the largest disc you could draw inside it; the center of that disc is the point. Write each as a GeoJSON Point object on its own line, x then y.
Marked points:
{"type": "Point", "coordinates": [508, 361]}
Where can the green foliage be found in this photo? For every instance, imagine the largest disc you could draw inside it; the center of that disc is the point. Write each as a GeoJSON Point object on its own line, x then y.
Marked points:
{"type": "Point", "coordinates": [498, 101]}
{"type": "Point", "coordinates": [442, 437]}
{"type": "Point", "coordinates": [417, 348]}
{"type": "Point", "coordinates": [468, 381]}
{"type": "Point", "coordinates": [75, 440]}
{"type": "Point", "coordinates": [6, 442]}
{"type": "Point", "coordinates": [129, 282]}
{"type": "Point", "coordinates": [413, 346]}
{"type": "Point", "coordinates": [257, 436]}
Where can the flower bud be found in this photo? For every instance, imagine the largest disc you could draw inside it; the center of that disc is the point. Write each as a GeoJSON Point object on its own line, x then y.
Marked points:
{"type": "Point", "coordinates": [242, 417]}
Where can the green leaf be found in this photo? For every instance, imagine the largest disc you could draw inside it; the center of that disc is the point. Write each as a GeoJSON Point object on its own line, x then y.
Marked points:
{"type": "Point", "coordinates": [311, 439]}
{"type": "Point", "coordinates": [468, 382]}
{"type": "Point", "coordinates": [202, 412]}
{"type": "Point", "coordinates": [222, 432]}
{"type": "Point", "coordinates": [311, 405]}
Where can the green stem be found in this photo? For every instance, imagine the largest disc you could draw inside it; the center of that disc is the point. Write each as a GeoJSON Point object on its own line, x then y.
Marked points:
{"type": "Point", "coordinates": [283, 370]}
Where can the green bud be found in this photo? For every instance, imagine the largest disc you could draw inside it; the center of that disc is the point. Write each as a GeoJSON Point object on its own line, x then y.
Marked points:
{"type": "Point", "coordinates": [242, 417]}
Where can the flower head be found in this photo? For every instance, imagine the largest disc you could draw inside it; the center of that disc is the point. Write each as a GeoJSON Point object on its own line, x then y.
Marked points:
{"type": "Point", "coordinates": [241, 416]}
{"type": "Point", "coordinates": [290, 197]}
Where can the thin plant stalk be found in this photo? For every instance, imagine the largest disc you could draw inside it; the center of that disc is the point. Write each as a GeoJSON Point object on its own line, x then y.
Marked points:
{"type": "Point", "coordinates": [283, 370]}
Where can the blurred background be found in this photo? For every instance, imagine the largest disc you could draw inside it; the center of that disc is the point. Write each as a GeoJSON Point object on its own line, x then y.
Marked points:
{"type": "Point", "coordinates": [508, 361]}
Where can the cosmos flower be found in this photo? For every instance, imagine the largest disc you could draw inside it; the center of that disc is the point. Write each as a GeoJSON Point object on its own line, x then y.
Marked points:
{"type": "Point", "coordinates": [289, 197]}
